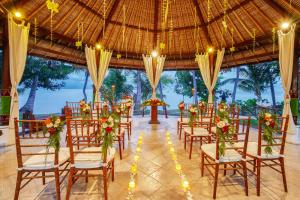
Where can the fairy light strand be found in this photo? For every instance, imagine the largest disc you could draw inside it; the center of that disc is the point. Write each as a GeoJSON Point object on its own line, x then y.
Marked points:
{"type": "Point", "coordinates": [273, 38]}
{"type": "Point", "coordinates": [183, 179]}
{"type": "Point", "coordinates": [254, 40]}
{"type": "Point", "coordinates": [134, 168]}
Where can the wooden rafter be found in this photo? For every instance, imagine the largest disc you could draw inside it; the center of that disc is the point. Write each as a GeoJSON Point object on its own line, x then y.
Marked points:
{"type": "Point", "coordinates": [200, 16]}
{"type": "Point", "coordinates": [273, 4]}
{"type": "Point", "coordinates": [108, 19]}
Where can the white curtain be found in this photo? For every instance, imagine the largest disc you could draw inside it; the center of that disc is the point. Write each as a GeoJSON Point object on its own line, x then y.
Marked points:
{"type": "Point", "coordinates": [151, 66]}
{"type": "Point", "coordinates": [97, 75]}
{"type": "Point", "coordinates": [286, 58]}
{"type": "Point", "coordinates": [18, 43]}
{"type": "Point", "coordinates": [204, 66]}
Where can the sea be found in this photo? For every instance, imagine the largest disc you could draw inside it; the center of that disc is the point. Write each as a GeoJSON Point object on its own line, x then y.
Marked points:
{"type": "Point", "coordinates": [47, 101]}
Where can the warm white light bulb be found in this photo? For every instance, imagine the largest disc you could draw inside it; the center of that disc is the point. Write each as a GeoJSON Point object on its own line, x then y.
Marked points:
{"type": "Point", "coordinates": [285, 25]}
{"type": "Point", "coordinates": [154, 54]}
{"type": "Point", "coordinates": [98, 46]}
{"type": "Point", "coordinates": [18, 14]}
{"type": "Point", "coordinates": [131, 184]}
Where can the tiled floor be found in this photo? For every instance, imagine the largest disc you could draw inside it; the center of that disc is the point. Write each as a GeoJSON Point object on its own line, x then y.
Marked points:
{"type": "Point", "coordinates": [157, 178]}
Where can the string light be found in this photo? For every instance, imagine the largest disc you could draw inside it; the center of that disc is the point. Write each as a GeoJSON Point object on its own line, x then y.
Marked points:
{"type": "Point", "coordinates": [134, 168]}
{"type": "Point", "coordinates": [183, 180]}
{"type": "Point", "coordinates": [273, 38]}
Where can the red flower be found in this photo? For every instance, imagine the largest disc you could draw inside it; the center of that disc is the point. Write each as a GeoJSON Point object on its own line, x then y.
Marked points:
{"type": "Point", "coordinates": [108, 129]}
{"type": "Point", "coordinates": [52, 131]}
{"type": "Point", "coordinates": [48, 121]}
{"type": "Point", "coordinates": [217, 119]}
{"type": "Point", "coordinates": [272, 123]}
{"type": "Point", "coordinates": [225, 129]}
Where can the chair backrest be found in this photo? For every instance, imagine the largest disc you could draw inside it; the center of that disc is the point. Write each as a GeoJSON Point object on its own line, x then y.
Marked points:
{"type": "Point", "coordinates": [98, 104]}
{"type": "Point", "coordinates": [239, 139]}
{"type": "Point", "coordinates": [75, 108]}
{"type": "Point", "coordinates": [206, 114]}
{"type": "Point", "coordinates": [279, 135]}
{"type": "Point", "coordinates": [82, 134]}
{"type": "Point", "coordinates": [234, 111]}
{"type": "Point", "coordinates": [31, 139]}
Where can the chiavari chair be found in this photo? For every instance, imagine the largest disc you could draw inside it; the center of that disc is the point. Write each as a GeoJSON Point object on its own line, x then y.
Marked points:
{"type": "Point", "coordinates": [126, 119]}
{"type": "Point", "coordinates": [234, 157]}
{"type": "Point", "coordinates": [182, 121]}
{"type": "Point", "coordinates": [75, 108]}
{"type": "Point", "coordinates": [36, 160]}
{"type": "Point", "coordinates": [206, 114]}
{"type": "Point", "coordinates": [257, 156]}
{"type": "Point", "coordinates": [198, 132]}
{"type": "Point", "coordinates": [89, 156]}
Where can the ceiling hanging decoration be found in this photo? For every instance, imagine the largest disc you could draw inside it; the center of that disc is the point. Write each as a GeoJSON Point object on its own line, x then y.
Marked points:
{"type": "Point", "coordinates": [195, 29]}
{"type": "Point", "coordinates": [78, 43]}
{"type": "Point", "coordinates": [170, 35]}
{"type": "Point", "coordinates": [273, 39]}
{"type": "Point", "coordinates": [164, 19]}
{"type": "Point", "coordinates": [104, 17]}
{"type": "Point", "coordinates": [224, 22]}
{"type": "Point", "coordinates": [232, 48]}
{"type": "Point", "coordinates": [35, 29]}
{"type": "Point", "coordinates": [53, 7]}
{"type": "Point", "coordinates": [208, 10]}
{"type": "Point", "coordinates": [254, 40]}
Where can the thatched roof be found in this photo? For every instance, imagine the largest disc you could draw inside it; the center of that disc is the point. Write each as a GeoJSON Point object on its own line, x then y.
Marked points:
{"type": "Point", "coordinates": [191, 31]}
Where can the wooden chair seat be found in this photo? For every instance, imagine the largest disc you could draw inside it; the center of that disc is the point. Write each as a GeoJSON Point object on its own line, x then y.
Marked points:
{"type": "Point", "coordinates": [43, 162]}
{"type": "Point", "coordinates": [90, 159]}
{"type": "Point", "coordinates": [252, 152]}
{"type": "Point", "coordinates": [184, 120]}
{"type": "Point", "coordinates": [231, 155]}
{"type": "Point", "coordinates": [198, 132]}
{"type": "Point", "coordinates": [125, 121]}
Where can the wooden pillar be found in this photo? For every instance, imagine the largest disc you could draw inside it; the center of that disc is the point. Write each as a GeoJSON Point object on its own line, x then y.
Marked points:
{"type": "Point", "coordinates": [6, 84]}
{"type": "Point", "coordinates": [294, 92]}
{"type": "Point", "coordinates": [212, 62]}
{"type": "Point", "coordinates": [97, 52]}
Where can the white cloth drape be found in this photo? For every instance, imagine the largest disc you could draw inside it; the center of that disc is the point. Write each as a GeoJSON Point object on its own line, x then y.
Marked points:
{"type": "Point", "coordinates": [151, 67]}
{"type": "Point", "coordinates": [18, 43]}
{"type": "Point", "coordinates": [204, 66]}
{"type": "Point", "coordinates": [97, 75]}
{"type": "Point", "coordinates": [286, 58]}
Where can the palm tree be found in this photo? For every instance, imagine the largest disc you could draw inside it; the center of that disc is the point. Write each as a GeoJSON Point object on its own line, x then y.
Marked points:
{"type": "Point", "coordinates": [165, 81]}
{"type": "Point", "coordinates": [236, 82]}
{"type": "Point", "coordinates": [195, 86]}
{"type": "Point", "coordinates": [253, 79]}
{"type": "Point", "coordinates": [85, 84]}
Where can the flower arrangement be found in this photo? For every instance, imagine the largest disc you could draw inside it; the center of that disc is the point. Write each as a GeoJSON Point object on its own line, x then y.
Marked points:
{"type": "Point", "coordinates": [154, 102]}
{"type": "Point", "coordinates": [109, 125]}
{"type": "Point", "coordinates": [105, 107]}
{"type": "Point", "coordinates": [202, 106]}
{"type": "Point", "coordinates": [54, 126]}
{"type": "Point", "coordinates": [181, 107]}
{"type": "Point", "coordinates": [224, 130]}
{"type": "Point", "coordinates": [85, 110]}
{"type": "Point", "coordinates": [192, 114]}
{"type": "Point", "coordinates": [268, 122]}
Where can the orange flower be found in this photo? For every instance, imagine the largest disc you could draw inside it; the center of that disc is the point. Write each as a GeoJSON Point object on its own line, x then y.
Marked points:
{"type": "Point", "coordinates": [48, 121]}
{"type": "Point", "coordinates": [217, 119]}
{"type": "Point", "coordinates": [104, 119]}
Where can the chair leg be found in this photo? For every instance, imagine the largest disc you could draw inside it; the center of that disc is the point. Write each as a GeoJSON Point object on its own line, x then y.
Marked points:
{"type": "Point", "coordinates": [254, 165]}
{"type": "Point", "coordinates": [245, 177]}
{"type": "Point", "coordinates": [191, 147]}
{"type": "Point", "coordinates": [18, 185]}
{"type": "Point", "coordinates": [234, 171]}
{"type": "Point", "coordinates": [44, 179]}
{"type": "Point", "coordinates": [86, 176]}
{"type": "Point", "coordinates": [123, 140]}
{"type": "Point", "coordinates": [177, 127]}
{"type": "Point", "coordinates": [283, 174]}
{"type": "Point", "coordinates": [70, 183]}
{"type": "Point", "coordinates": [105, 183]}
{"type": "Point", "coordinates": [258, 177]}
{"type": "Point", "coordinates": [216, 180]}
{"type": "Point", "coordinates": [202, 163]}
{"type": "Point", "coordinates": [225, 165]}
{"type": "Point", "coordinates": [120, 147]}
{"type": "Point", "coordinates": [184, 141]}
{"type": "Point", "coordinates": [113, 170]}
{"type": "Point", "coordinates": [57, 183]}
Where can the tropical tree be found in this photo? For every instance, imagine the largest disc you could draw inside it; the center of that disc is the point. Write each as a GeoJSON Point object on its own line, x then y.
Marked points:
{"type": "Point", "coordinates": [252, 79]}
{"type": "Point", "coordinates": [42, 73]}
{"type": "Point", "coordinates": [86, 77]}
{"type": "Point", "coordinates": [117, 78]}
{"type": "Point", "coordinates": [164, 82]}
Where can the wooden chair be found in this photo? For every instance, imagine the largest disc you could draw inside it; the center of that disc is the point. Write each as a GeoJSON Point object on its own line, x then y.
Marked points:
{"type": "Point", "coordinates": [198, 132]}
{"type": "Point", "coordinates": [89, 156]}
{"type": "Point", "coordinates": [182, 122]}
{"type": "Point", "coordinates": [235, 159]}
{"type": "Point", "coordinates": [126, 121]}
{"type": "Point", "coordinates": [75, 108]}
{"type": "Point", "coordinates": [259, 158]}
{"type": "Point", "coordinates": [34, 160]}
{"type": "Point", "coordinates": [206, 114]}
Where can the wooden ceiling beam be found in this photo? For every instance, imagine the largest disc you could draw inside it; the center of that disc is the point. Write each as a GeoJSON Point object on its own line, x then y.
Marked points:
{"type": "Point", "coordinates": [274, 4]}
{"type": "Point", "coordinates": [202, 22]}
{"type": "Point", "coordinates": [108, 19]}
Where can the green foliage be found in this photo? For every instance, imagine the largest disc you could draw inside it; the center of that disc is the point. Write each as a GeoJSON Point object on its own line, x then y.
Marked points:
{"type": "Point", "coordinates": [117, 78]}
{"type": "Point", "coordinates": [184, 84]}
{"type": "Point", "coordinates": [50, 73]}
{"type": "Point", "coordinates": [248, 107]}
{"type": "Point", "coordinates": [268, 124]}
